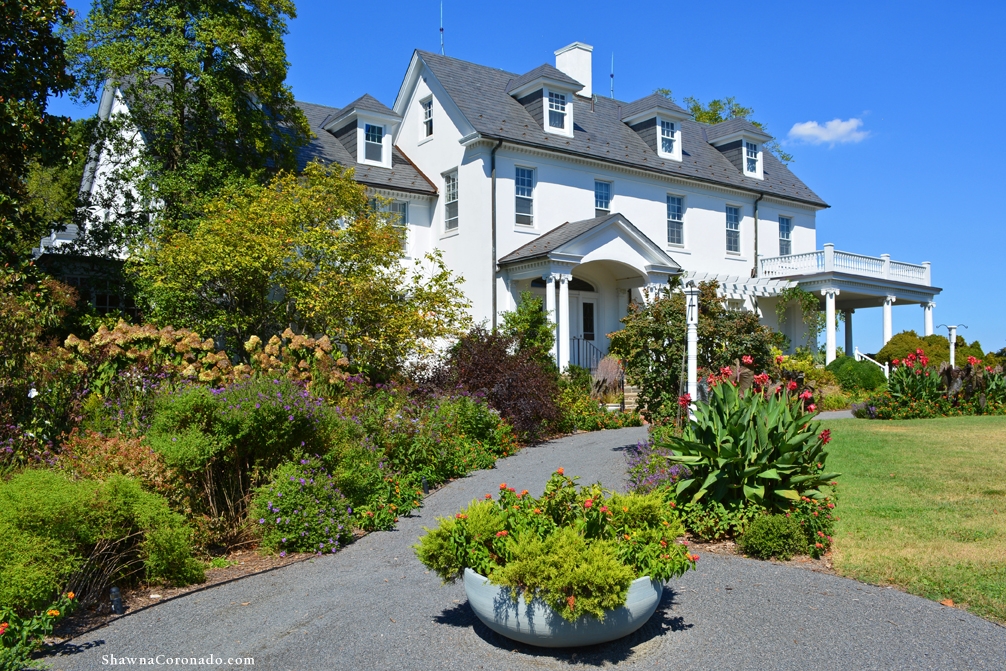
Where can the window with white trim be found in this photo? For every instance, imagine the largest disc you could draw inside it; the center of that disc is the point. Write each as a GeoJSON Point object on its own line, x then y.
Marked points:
{"type": "Point", "coordinates": [733, 229]}
{"type": "Point", "coordinates": [400, 219]}
{"type": "Point", "coordinates": [427, 106]}
{"type": "Point", "coordinates": [602, 198]}
{"type": "Point", "coordinates": [524, 189]}
{"type": "Point", "coordinates": [785, 236]}
{"type": "Point", "coordinates": [451, 201]}
{"type": "Point", "coordinates": [557, 110]}
{"type": "Point", "coordinates": [667, 138]}
{"type": "Point", "coordinates": [751, 156]}
{"type": "Point", "coordinates": [675, 221]}
{"type": "Point", "coordinates": [373, 137]}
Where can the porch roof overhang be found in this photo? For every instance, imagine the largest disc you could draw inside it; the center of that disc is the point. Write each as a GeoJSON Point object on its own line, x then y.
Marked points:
{"type": "Point", "coordinates": [611, 238]}
{"type": "Point", "coordinates": [859, 291]}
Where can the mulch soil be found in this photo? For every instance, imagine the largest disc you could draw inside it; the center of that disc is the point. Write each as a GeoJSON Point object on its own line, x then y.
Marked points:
{"type": "Point", "coordinates": [822, 565]}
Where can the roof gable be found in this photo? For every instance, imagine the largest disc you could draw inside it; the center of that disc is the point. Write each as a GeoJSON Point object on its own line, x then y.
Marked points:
{"type": "Point", "coordinates": [544, 74]}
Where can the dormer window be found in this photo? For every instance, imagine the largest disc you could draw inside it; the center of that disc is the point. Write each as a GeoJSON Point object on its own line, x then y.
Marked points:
{"type": "Point", "coordinates": [752, 160]}
{"type": "Point", "coordinates": [667, 137]}
{"type": "Point", "coordinates": [374, 143]}
{"type": "Point", "coordinates": [557, 110]}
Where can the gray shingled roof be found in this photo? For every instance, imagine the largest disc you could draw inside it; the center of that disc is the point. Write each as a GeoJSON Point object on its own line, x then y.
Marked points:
{"type": "Point", "coordinates": [480, 93]}
{"type": "Point", "coordinates": [547, 71]}
{"type": "Point", "coordinates": [325, 147]}
{"type": "Point", "coordinates": [560, 235]}
{"type": "Point", "coordinates": [368, 103]}
{"type": "Point", "coordinates": [651, 101]}
{"type": "Point", "coordinates": [731, 126]}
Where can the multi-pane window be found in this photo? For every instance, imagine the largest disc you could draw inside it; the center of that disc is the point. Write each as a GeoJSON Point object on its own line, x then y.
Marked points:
{"type": "Point", "coordinates": [556, 110]}
{"type": "Point", "coordinates": [751, 156]}
{"type": "Point", "coordinates": [675, 221]}
{"type": "Point", "coordinates": [524, 186]}
{"type": "Point", "coordinates": [785, 233]}
{"type": "Point", "coordinates": [374, 141]}
{"type": "Point", "coordinates": [733, 229]}
{"type": "Point", "coordinates": [400, 218]}
{"type": "Point", "coordinates": [451, 201]}
{"type": "Point", "coordinates": [666, 137]}
{"type": "Point", "coordinates": [427, 117]}
{"type": "Point", "coordinates": [602, 198]}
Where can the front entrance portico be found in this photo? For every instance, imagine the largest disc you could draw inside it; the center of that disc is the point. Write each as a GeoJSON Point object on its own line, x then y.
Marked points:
{"type": "Point", "coordinates": [603, 259]}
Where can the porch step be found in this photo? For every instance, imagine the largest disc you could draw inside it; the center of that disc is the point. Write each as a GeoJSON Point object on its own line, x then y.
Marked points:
{"type": "Point", "coordinates": [631, 397]}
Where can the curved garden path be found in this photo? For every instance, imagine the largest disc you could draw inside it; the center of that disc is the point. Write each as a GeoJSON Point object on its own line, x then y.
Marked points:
{"type": "Point", "coordinates": [373, 606]}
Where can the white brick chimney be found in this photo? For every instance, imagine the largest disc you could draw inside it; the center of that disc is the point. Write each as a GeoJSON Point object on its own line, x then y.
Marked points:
{"type": "Point", "coordinates": [574, 60]}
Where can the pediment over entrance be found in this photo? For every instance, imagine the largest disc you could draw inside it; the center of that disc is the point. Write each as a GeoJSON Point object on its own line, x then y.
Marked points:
{"type": "Point", "coordinates": [611, 238]}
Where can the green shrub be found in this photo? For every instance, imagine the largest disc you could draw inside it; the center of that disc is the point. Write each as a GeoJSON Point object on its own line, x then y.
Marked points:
{"type": "Point", "coordinates": [531, 328]}
{"type": "Point", "coordinates": [757, 446]}
{"type": "Point", "coordinates": [302, 510]}
{"type": "Point", "coordinates": [936, 347]}
{"type": "Point", "coordinates": [855, 375]}
{"type": "Point", "coordinates": [712, 520]}
{"type": "Point", "coordinates": [223, 442]}
{"type": "Point", "coordinates": [52, 524]}
{"type": "Point", "coordinates": [576, 549]}
{"type": "Point", "coordinates": [578, 411]}
{"type": "Point", "coordinates": [778, 536]}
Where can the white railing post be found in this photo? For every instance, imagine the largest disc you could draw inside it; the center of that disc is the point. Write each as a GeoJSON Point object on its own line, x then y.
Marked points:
{"type": "Point", "coordinates": [883, 366]}
{"type": "Point", "coordinates": [927, 273]}
{"type": "Point", "coordinates": [829, 257]}
{"type": "Point", "coordinates": [692, 320]}
{"type": "Point", "coordinates": [887, 265]}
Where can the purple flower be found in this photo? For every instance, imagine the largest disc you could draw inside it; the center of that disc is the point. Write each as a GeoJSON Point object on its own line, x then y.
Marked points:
{"type": "Point", "coordinates": [261, 520]}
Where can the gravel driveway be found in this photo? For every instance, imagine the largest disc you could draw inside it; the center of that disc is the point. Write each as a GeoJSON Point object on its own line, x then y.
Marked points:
{"type": "Point", "coordinates": [374, 606]}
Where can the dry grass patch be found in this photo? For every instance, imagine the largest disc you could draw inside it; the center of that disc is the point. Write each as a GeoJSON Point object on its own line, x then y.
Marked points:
{"type": "Point", "coordinates": [922, 505]}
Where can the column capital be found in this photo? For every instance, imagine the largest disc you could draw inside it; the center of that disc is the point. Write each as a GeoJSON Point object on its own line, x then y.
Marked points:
{"type": "Point", "coordinates": [564, 277]}
{"type": "Point", "coordinates": [550, 277]}
{"type": "Point", "coordinates": [833, 292]}
{"type": "Point", "coordinates": [928, 306]}
{"type": "Point", "coordinates": [888, 300]}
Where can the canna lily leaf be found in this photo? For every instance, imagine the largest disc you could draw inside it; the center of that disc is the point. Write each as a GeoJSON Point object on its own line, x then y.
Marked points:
{"type": "Point", "coordinates": [770, 474]}
{"type": "Point", "coordinates": [790, 494]}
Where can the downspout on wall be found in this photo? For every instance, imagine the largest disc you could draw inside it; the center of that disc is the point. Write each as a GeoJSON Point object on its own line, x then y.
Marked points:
{"type": "Point", "coordinates": [492, 163]}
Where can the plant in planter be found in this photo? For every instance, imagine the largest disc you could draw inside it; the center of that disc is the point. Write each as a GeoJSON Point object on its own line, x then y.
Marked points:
{"type": "Point", "coordinates": [589, 565]}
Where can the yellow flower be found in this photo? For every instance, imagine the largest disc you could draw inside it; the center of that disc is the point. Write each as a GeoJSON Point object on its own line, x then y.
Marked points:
{"type": "Point", "coordinates": [70, 595]}
{"type": "Point", "coordinates": [53, 613]}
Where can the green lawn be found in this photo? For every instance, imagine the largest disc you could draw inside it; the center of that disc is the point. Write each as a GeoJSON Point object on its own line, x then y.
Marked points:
{"type": "Point", "coordinates": [922, 505]}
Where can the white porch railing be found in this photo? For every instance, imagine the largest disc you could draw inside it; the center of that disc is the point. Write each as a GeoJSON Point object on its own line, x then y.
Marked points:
{"type": "Point", "coordinates": [830, 260]}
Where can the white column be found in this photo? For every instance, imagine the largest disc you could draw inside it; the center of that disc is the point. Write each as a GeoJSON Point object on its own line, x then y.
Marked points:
{"type": "Point", "coordinates": [563, 321]}
{"type": "Point", "coordinates": [550, 308]}
{"type": "Point", "coordinates": [888, 331]}
{"type": "Point", "coordinates": [692, 320]}
{"type": "Point", "coordinates": [928, 319]}
{"type": "Point", "coordinates": [953, 344]}
{"type": "Point", "coordinates": [848, 332]}
{"type": "Point", "coordinates": [829, 327]}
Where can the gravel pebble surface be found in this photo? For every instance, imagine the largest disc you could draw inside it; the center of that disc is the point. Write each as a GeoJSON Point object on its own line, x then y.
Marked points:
{"type": "Point", "coordinates": [374, 606]}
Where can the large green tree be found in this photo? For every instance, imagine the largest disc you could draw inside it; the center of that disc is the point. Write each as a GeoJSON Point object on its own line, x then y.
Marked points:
{"type": "Point", "coordinates": [32, 69]}
{"type": "Point", "coordinates": [204, 83]}
{"type": "Point", "coordinates": [303, 251]}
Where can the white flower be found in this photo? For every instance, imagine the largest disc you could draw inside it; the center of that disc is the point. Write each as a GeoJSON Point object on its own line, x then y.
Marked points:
{"type": "Point", "coordinates": [33, 392]}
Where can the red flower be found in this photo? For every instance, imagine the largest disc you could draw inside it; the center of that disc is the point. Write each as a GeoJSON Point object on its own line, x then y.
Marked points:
{"type": "Point", "coordinates": [3, 628]}
{"type": "Point", "coordinates": [501, 533]}
{"type": "Point", "coordinates": [588, 503]}
{"type": "Point", "coordinates": [523, 492]}
{"type": "Point", "coordinates": [761, 379]}
{"type": "Point", "coordinates": [726, 371]}
{"type": "Point", "coordinates": [747, 359]}
{"type": "Point", "coordinates": [559, 471]}
{"type": "Point", "coordinates": [685, 400]}
{"type": "Point", "coordinates": [811, 408]}
{"type": "Point", "coordinates": [502, 486]}
{"type": "Point", "coordinates": [806, 395]}
{"type": "Point", "coordinates": [488, 496]}
{"type": "Point", "coordinates": [973, 361]}
{"type": "Point", "coordinates": [779, 359]}
{"type": "Point", "coordinates": [791, 385]}
{"type": "Point", "coordinates": [919, 352]}
{"type": "Point", "coordinates": [825, 436]}
{"type": "Point", "coordinates": [895, 362]}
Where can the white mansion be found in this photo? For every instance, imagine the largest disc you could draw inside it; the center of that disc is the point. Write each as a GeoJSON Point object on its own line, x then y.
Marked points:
{"type": "Point", "coordinates": [533, 182]}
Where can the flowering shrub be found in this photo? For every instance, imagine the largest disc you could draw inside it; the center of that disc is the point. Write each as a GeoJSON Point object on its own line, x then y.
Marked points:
{"type": "Point", "coordinates": [302, 510]}
{"type": "Point", "coordinates": [919, 390]}
{"type": "Point", "coordinates": [91, 455]}
{"type": "Point", "coordinates": [577, 549]}
{"type": "Point", "coordinates": [650, 468]}
{"type": "Point", "coordinates": [20, 636]}
{"type": "Point", "coordinates": [223, 442]}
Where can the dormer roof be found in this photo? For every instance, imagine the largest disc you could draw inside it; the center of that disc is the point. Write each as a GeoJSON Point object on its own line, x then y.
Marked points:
{"type": "Point", "coordinates": [735, 129]}
{"type": "Point", "coordinates": [325, 147]}
{"type": "Point", "coordinates": [366, 104]}
{"type": "Point", "coordinates": [650, 106]}
{"type": "Point", "coordinates": [543, 75]}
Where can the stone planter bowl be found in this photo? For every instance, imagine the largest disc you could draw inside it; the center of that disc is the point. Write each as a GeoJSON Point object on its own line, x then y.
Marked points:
{"type": "Point", "coordinates": [538, 624]}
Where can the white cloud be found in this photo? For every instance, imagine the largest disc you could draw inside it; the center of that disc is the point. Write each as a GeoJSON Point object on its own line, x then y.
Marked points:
{"type": "Point", "coordinates": [831, 132]}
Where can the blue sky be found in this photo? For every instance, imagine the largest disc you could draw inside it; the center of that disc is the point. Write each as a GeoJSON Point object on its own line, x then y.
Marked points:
{"type": "Point", "coordinates": [911, 169]}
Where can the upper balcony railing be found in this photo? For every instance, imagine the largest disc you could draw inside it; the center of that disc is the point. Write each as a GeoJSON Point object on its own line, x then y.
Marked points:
{"type": "Point", "coordinates": [829, 260]}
